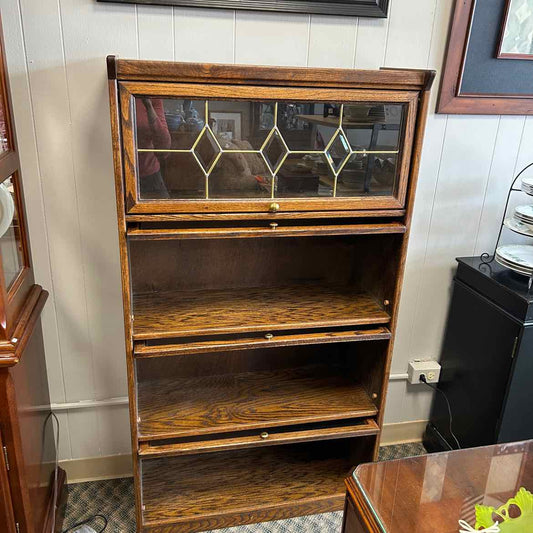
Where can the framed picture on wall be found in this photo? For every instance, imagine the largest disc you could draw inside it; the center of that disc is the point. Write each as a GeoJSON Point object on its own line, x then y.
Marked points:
{"type": "Point", "coordinates": [476, 78]}
{"type": "Point", "coordinates": [517, 31]}
{"type": "Point", "coordinates": [226, 124]}
{"type": "Point", "coordinates": [359, 8]}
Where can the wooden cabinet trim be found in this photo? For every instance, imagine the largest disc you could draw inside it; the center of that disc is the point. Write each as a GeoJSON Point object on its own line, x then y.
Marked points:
{"type": "Point", "coordinates": [128, 90]}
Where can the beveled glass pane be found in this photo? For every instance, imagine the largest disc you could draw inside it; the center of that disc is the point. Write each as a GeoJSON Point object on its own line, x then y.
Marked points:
{"type": "Point", "coordinates": [178, 175]}
{"type": "Point", "coordinates": [4, 141]}
{"type": "Point", "coordinates": [368, 174]}
{"type": "Point", "coordinates": [274, 151]}
{"type": "Point", "coordinates": [11, 246]}
{"type": "Point", "coordinates": [241, 125]}
{"type": "Point", "coordinates": [240, 175]}
{"type": "Point", "coordinates": [304, 175]}
{"type": "Point", "coordinates": [307, 127]}
{"type": "Point", "coordinates": [373, 127]}
{"type": "Point", "coordinates": [338, 151]}
{"type": "Point", "coordinates": [168, 123]}
{"type": "Point", "coordinates": [206, 149]}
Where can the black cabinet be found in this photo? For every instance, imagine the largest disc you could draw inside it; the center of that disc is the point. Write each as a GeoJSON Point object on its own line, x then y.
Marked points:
{"type": "Point", "coordinates": [487, 360]}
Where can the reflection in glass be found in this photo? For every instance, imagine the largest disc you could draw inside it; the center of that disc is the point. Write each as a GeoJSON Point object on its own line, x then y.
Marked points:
{"type": "Point", "coordinates": [308, 127]}
{"type": "Point", "coordinates": [197, 149]}
{"type": "Point", "coordinates": [368, 174]}
{"type": "Point", "coordinates": [373, 127]}
{"type": "Point", "coordinates": [241, 125]}
{"type": "Point", "coordinates": [181, 177]}
{"type": "Point", "coordinates": [305, 175]}
{"type": "Point", "coordinates": [10, 233]}
{"type": "Point", "coordinates": [206, 150]}
{"type": "Point", "coordinates": [274, 151]}
{"type": "Point", "coordinates": [240, 175]}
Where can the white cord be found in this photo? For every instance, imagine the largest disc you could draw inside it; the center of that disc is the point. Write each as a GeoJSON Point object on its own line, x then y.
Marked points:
{"type": "Point", "coordinates": [467, 528]}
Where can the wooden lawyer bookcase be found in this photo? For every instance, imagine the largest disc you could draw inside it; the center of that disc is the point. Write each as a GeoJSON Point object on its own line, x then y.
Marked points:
{"type": "Point", "coordinates": [263, 222]}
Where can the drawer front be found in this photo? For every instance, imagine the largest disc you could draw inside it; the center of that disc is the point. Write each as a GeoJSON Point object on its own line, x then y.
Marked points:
{"type": "Point", "coordinates": [196, 149]}
{"type": "Point", "coordinates": [258, 438]}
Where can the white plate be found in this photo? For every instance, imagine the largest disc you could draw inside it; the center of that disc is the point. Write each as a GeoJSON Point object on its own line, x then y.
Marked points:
{"type": "Point", "coordinates": [527, 273]}
{"type": "Point", "coordinates": [520, 255]}
{"type": "Point", "coordinates": [527, 182]}
{"type": "Point", "coordinates": [519, 227]}
{"type": "Point", "coordinates": [7, 209]}
{"type": "Point", "coordinates": [506, 264]}
{"type": "Point", "coordinates": [524, 213]}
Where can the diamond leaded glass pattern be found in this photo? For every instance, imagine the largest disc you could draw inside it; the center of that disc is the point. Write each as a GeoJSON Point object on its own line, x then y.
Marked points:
{"type": "Point", "coordinates": [266, 149]}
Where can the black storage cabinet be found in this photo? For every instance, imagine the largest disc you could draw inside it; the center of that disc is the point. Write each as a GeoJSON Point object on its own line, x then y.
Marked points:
{"type": "Point", "coordinates": [487, 360]}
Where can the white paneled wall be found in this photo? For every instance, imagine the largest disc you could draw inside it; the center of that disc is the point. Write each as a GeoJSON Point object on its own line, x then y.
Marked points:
{"type": "Point", "coordinates": [56, 56]}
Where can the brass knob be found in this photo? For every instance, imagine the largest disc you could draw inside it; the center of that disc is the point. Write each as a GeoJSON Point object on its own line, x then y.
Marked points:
{"type": "Point", "coordinates": [274, 207]}
{"type": "Point", "coordinates": [386, 302]}
{"type": "Point", "coordinates": [269, 336]}
{"type": "Point", "coordinates": [273, 225]}
{"type": "Point", "coordinates": [264, 435]}
{"type": "Point", "coordinates": [374, 395]}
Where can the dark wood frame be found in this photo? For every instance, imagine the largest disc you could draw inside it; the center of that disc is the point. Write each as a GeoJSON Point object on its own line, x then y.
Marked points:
{"type": "Point", "coordinates": [126, 77]}
{"type": "Point", "coordinates": [451, 99]}
{"type": "Point", "coordinates": [503, 55]}
{"type": "Point", "coordinates": [359, 8]}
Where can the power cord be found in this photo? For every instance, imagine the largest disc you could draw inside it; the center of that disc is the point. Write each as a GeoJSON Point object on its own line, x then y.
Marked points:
{"type": "Point", "coordinates": [423, 379]}
{"type": "Point", "coordinates": [53, 416]}
{"type": "Point", "coordinates": [79, 524]}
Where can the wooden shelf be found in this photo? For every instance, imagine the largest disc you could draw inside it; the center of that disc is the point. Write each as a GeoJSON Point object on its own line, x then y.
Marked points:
{"type": "Point", "coordinates": [212, 491]}
{"type": "Point", "coordinates": [279, 230]}
{"type": "Point", "coordinates": [187, 313]}
{"type": "Point", "coordinates": [181, 407]}
{"type": "Point", "coordinates": [143, 350]}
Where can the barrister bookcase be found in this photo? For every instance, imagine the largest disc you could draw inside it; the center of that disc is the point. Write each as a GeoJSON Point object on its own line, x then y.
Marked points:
{"type": "Point", "coordinates": [263, 221]}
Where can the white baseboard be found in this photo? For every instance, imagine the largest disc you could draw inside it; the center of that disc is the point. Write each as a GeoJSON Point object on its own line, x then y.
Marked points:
{"type": "Point", "coordinates": [116, 466]}
{"type": "Point", "coordinates": [403, 432]}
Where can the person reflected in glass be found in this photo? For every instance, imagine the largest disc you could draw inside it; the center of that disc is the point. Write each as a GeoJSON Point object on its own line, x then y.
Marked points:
{"type": "Point", "coordinates": [152, 133]}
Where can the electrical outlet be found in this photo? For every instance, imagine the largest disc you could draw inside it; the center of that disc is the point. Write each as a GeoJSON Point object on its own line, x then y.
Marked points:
{"type": "Point", "coordinates": [431, 369]}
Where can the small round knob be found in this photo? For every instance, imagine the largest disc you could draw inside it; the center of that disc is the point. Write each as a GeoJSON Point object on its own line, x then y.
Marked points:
{"type": "Point", "coordinates": [374, 396]}
{"type": "Point", "coordinates": [269, 336]}
{"type": "Point", "coordinates": [264, 435]}
{"type": "Point", "coordinates": [274, 207]}
{"type": "Point", "coordinates": [386, 302]}
{"type": "Point", "coordinates": [273, 225]}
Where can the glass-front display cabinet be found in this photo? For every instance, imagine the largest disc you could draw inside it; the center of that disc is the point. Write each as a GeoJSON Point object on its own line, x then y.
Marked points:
{"type": "Point", "coordinates": [190, 150]}
{"type": "Point", "coordinates": [28, 463]}
{"type": "Point", "coordinates": [262, 216]}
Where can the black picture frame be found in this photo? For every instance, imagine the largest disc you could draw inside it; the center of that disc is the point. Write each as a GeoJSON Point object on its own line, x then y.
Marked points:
{"type": "Point", "coordinates": [359, 8]}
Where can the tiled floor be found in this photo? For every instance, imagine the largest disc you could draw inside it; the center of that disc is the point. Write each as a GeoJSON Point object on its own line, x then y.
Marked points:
{"type": "Point", "coordinates": [114, 499]}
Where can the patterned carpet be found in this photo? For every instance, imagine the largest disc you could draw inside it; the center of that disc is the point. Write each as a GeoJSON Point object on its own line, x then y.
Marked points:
{"type": "Point", "coordinates": [114, 499]}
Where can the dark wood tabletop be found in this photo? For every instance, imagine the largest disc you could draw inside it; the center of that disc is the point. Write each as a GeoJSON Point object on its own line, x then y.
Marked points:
{"type": "Point", "coordinates": [431, 493]}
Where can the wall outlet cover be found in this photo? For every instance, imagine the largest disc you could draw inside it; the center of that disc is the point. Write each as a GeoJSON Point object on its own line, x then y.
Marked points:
{"type": "Point", "coordinates": [431, 369]}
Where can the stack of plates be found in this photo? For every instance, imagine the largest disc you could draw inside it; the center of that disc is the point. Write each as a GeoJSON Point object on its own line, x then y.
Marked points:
{"type": "Point", "coordinates": [527, 185]}
{"type": "Point", "coordinates": [524, 213]}
{"type": "Point", "coordinates": [517, 257]}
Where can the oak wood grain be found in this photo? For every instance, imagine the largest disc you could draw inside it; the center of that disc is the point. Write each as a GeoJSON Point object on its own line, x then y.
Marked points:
{"type": "Point", "coordinates": [252, 75]}
{"type": "Point", "coordinates": [277, 230]}
{"type": "Point", "coordinates": [201, 405]}
{"type": "Point", "coordinates": [244, 486]}
{"type": "Point", "coordinates": [309, 433]}
{"type": "Point", "coordinates": [270, 340]}
{"type": "Point", "coordinates": [184, 313]}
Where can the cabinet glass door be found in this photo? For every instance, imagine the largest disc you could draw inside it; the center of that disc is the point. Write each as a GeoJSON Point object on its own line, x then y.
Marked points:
{"type": "Point", "coordinates": [11, 235]}
{"type": "Point", "coordinates": [192, 153]}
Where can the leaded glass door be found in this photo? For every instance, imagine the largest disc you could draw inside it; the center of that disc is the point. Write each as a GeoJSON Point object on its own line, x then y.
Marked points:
{"type": "Point", "coordinates": [247, 149]}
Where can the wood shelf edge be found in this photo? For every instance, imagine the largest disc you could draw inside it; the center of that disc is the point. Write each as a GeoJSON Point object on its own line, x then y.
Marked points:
{"type": "Point", "coordinates": [249, 515]}
{"type": "Point", "coordinates": [11, 351]}
{"type": "Point", "coordinates": [141, 350]}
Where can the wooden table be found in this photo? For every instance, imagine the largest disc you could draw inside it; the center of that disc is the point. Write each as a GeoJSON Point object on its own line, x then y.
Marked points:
{"type": "Point", "coordinates": [431, 493]}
